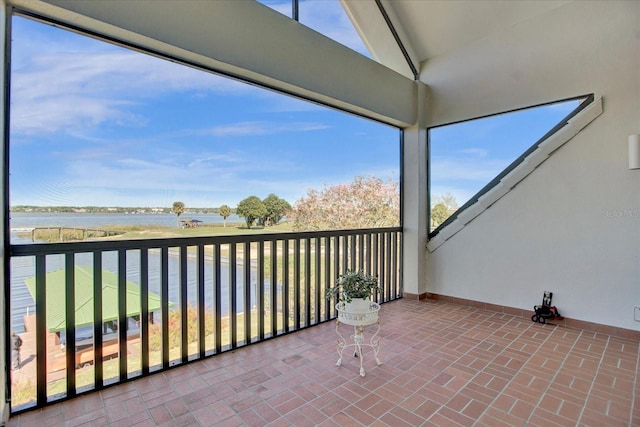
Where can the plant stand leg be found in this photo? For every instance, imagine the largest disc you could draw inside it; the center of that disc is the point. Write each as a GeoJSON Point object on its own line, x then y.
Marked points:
{"type": "Point", "coordinates": [375, 344]}
{"type": "Point", "coordinates": [342, 343]}
{"type": "Point", "coordinates": [357, 341]}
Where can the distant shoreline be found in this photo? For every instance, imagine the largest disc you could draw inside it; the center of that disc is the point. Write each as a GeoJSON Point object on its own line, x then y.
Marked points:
{"type": "Point", "coordinates": [24, 220]}
{"type": "Point", "coordinates": [108, 210]}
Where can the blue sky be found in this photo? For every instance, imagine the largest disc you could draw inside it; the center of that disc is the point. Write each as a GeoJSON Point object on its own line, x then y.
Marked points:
{"type": "Point", "coordinates": [95, 124]}
{"type": "Point", "coordinates": [468, 155]}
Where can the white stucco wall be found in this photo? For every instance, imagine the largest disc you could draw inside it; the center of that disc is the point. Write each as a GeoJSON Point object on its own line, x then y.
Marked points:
{"type": "Point", "coordinates": [573, 225]}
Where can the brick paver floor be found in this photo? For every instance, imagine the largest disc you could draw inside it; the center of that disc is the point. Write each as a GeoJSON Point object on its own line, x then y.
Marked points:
{"type": "Point", "coordinates": [442, 365]}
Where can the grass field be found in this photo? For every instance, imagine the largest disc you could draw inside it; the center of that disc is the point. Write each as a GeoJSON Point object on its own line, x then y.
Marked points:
{"type": "Point", "coordinates": [129, 232]}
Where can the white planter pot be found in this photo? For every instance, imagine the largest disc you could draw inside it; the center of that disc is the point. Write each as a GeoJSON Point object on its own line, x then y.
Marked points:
{"type": "Point", "coordinates": [357, 305]}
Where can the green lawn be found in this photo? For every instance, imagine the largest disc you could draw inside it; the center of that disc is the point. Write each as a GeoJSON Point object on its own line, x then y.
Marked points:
{"type": "Point", "coordinates": [204, 230]}
{"type": "Point", "coordinates": [128, 232]}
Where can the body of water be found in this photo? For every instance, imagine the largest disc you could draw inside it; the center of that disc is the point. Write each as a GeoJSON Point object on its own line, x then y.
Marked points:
{"type": "Point", "coordinates": [30, 220]}
{"type": "Point", "coordinates": [24, 267]}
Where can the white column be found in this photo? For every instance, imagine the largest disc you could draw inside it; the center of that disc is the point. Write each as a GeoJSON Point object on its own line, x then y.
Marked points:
{"type": "Point", "coordinates": [415, 201]}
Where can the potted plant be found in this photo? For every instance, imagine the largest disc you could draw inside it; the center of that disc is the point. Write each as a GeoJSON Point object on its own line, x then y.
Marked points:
{"type": "Point", "coordinates": [355, 288]}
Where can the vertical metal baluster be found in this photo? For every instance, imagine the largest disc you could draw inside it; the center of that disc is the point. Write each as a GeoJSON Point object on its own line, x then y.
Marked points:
{"type": "Point", "coordinates": [201, 302]}
{"type": "Point", "coordinates": [122, 312]}
{"type": "Point", "coordinates": [336, 264]}
{"type": "Point", "coordinates": [70, 323]}
{"type": "Point", "coordinates": [307, 281]}
{"type": "Point", "coordinates": [317, 270]}
{"type": "Point", "coordinates": [233, 289]}
{"type": "Point", "coordinates": [388, 270]}
{"type": "Point", "coordinates": [260, 289]}
{"type": "Point", "coordinates": [345, 253]}
{"type": "Point", "coordinates": [164, 296]}
{"type": "Point", "coordinates": [361, 263]}
{"type": "Point", "coordinates": [384, 264]}
{"type": "Point", "coordinates": [41, 330]}
{"type": "Point", "coordinates": [285, 286]}
{"type": "Point", "coordinates": [247, 293]}
{"type": "Point", "coordinates": [368, 253]}
{"type": "Point", "coordinates": [184, 308]}
{"type": "Point", "coordinates": [327, 276]}
{"type": "Point", "coordinates": [296, 282]}
{"type": "Point", "coordinates": [274, 288]}
{"type": "Point", "coordinates": [352, 251]}
{"type": "Point", "coordinates": [376, 262]}
{"type": "Point", "coordinates": [218, 296]}
{"type": "Point", "coordinates": [394, 265]}
{"type": "Point", "coordinates": [399, 263]}
{"type": "Point", "coordinates": [144, 308]}
{"type": "Point", "coordinates": [97, 320]}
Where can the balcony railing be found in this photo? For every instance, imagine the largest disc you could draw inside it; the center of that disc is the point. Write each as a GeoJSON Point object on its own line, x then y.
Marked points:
{"type": "Point", "coordinates": [176, 300]}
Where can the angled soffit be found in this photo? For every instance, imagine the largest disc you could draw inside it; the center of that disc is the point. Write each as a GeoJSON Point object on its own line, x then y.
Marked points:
{"type": "Point", "coordinates": [435, 27]}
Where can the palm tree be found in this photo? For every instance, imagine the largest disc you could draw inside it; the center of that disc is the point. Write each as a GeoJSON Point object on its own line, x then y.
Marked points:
{"type": "Point", "coordinates": [178, 209]}
{"type": "Point", "coordinates": [224, 212]}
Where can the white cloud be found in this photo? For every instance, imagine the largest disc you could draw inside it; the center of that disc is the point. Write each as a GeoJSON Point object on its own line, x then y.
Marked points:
{"type": "Point", "coordinates": [208, 159]}
{"type": "Point", "coordinates": [476, 152]}
{"type": "Point", "coordinates": [264, 128]}
{"type": "Point", "coordinates": [63, 82]}
{"type": "Point", "coordinates": [69, 84]}
{"type": "Point", "coordinates": [468, 169]}
{"type": "Point", "coordinates": [78, 89]}
{"type": "Point", "coordinates": [201, 179]}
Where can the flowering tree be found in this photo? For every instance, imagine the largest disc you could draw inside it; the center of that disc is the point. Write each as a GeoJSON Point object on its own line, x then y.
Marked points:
{"type": "Point", "coordinates": [367, 202]}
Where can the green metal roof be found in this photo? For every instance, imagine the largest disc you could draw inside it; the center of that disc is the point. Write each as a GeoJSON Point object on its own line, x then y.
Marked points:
{"type": "Point", "coordinates": [56, 297]}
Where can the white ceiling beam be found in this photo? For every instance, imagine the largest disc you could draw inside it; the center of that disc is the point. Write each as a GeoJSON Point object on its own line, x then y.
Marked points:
{"type": "Point", "coordinates": [248, 40]}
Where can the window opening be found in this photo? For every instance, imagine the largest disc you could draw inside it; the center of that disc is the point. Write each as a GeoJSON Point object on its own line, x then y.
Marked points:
{"type": "Point", "coordinates": [107, 138]}
{"type": "Point", "coordinates": [324, 16]}
{"type": "Point", "coordinates": [121, 129]}
{"type": "Point", "coordinates": [285, 7]}
{"type": "Point", "coordinates": [467, 159]}
{"type": "Point", "coordinates": [329, 18]}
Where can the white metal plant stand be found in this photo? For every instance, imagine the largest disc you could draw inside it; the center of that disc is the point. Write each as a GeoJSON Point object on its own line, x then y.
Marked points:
{"type": "Point", "coordinates": [358, 321]}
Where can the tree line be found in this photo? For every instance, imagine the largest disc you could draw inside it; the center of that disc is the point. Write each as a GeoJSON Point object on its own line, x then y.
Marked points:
{"type": "Point", "coordinates": [367, 202]}
{"type": "Point", "coordinates": [266, 212]}
{"type": "Point", "coordinates": [442, 208]}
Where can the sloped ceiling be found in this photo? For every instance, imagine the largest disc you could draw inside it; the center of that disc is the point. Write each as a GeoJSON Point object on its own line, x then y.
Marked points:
{"type": "Point", "coordinates": [435, 27]}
